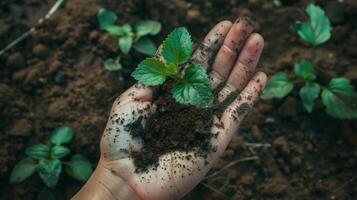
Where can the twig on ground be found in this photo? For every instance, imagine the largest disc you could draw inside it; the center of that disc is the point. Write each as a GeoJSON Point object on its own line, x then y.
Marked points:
{"type": "Point", "coordinates": [230, 165]}
{"type": "Point", "coordinates": [215, 190]}
{"type": "Point", "coordinates": [31, 30]}
{"type": "Point", "coordinates": [343, 185]}
{"type": "Point", "coordinates": [252, 146]}
{"type": "Point", "coordinates": [226, 182]}
{"type": "Point", "coordinates": [257, 145]}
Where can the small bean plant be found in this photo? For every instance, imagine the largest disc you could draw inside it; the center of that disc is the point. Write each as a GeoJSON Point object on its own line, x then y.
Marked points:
{"type": "Point", "coordinates": [338, 96]}
{"type": "Point", "coordinates": [46, 160]}
{"type": "Point", "coordinates": [127, 37]}
{"type": "Point", "coordinates": [191, 83]}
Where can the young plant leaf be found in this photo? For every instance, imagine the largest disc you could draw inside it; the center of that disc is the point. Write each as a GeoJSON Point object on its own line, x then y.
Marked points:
{"type": "Point", "coordinates": [171, 69]}
{"type": "Point", "coordinates": [145, 46]}
{"type": "Point", "coordinates": [79, 168]}
{"type": "Point", "coordinates": [125, 44]}
{"type": "Point", "coordinates": [22, 170]}
{"type": "Point", "coordinates": [195, 89]}
{"type": "Point", "coordinates": [317, 29]}
{"type": "Point", "coordinates": [177, 47]}
{"type": "Point", "coordinates": [116, 30]}
{"type": "Point", "coordinates": [304, 69]}
{"type": "Point", "coordinates": [151, 71]}
{"type": "Point", "coordinates": [106, 18]}
{"type": "Point", "coordinates": [127, 29]}
{"type": "Point", "coordinates": [59, 151]}
{"type": "Point", "coordinates": [38, 151]}
{"type": "Point", "coordinates": [112, 65]}
{"type": "Point", "coordinates": [340, 99]}
{"type": "Point", "coordinates": [308, 94]}
{"type": "Point", "coordinates": [61, 135]}
{"type": "Point", "coordinates": [279, 85]}
{"type": "Point", "coordinates": [49, 171]}
{"type": "Point", "coordinates": [147, 27]}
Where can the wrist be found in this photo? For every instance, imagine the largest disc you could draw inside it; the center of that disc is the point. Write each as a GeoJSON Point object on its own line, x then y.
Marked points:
{"type": "Point", "coordinates": [104, 185]}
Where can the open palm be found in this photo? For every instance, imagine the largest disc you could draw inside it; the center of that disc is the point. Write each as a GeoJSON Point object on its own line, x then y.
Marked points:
{"type": "Point", "coordinates": [231, 53]}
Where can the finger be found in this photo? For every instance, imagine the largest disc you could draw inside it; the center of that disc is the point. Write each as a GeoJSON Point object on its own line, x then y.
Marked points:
{"type": "Point", "coordinates": [117, 141]}
{"type": "Point", "coordinates": [238, 109]}
{"type": "Point", "coordinates": [137, 92]}
{"type": "Point", "coordinates": [211, 43]}
{"type": "Point", "coordinates": [245, 66]}
{"type": "Point", "coordinates": [232, 45]}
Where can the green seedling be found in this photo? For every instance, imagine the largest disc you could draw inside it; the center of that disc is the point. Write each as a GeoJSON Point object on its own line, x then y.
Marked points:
{"type": "Point", "coordinates": [191, 84]}
{"type": "Point", "coordinates": [339, 96]}
{"type": "Point", "coordinates": [127, 37]}
{"type": "Point", "coordinates": [113, 65]}
{"type": "Point", "coordinates": [45, 159]}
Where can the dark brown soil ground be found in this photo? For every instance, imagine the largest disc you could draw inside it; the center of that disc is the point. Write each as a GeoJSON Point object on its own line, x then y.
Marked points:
{"type": "Point", "coordinates": [56, 77]}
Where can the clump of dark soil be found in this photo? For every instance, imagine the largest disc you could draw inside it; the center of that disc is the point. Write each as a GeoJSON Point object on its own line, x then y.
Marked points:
{"type": "Point", "coordinates": [174, 127]}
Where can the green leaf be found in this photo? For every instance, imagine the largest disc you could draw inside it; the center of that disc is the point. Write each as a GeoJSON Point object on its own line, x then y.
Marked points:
{"type": "Point", "coordinates": [177, 47]}
{"type": "Point", "coordinates": [171, 69]}
{"type": "Point", "coordinates": [125, 44]}
{"type": "Point", "coordinates": [308, 94]}
{"type": "Point", "coordinates": [304, 69]}
{"type": "Point", "coordinates": [340, 99]}
{"type": "Point", "coordinates": [195, 89]}
{"type": "Point", "coordinates": [22, 170]}
{"type": "Point", "coordinates": [106, 18]}
{"type": "Point", "coordinates": [279, 85]}
{"type": "Point", "coordinates": [127, 29]}
{"type": "Point", "coordinates": [79, 168]}
{"type": "Point", "coordinates": [61, 135]}
{"type": "Point", "coordinates": [116, 30]}
{"type": "Point", "coordinates": [147, 27]}
{"type": "Point", "coordinates": [151, 71]}
{"type": "Point", "coordinates": [38, 151]}
{"type": "Point", "coordinates": [59, 151]}
{"type": "Point", "coordinates": [112, 65]}
{"type": "Point", "coordinates": [145, 46]}
{"type": "Point", "coordinates": [317, 29]}
{"type": "Point", "coordinates": [49, 171]}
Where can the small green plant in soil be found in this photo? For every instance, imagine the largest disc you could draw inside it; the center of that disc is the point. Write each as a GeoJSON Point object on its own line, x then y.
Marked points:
{"type": "Point", "coordinates": [338, 96]}
{"type": "Point", "coordinates": [127, 37]}
{"type": "Point", "coordinates": [191, 84]}
{"type": "Point", "coordinates": [46, 160]}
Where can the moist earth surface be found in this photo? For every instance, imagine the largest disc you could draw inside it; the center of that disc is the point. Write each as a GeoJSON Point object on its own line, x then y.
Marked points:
{"type": "Point", "coordinates": [56, 77]}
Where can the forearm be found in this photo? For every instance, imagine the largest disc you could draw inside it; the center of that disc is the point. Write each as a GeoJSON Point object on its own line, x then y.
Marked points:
{"type": "Point", "coordinates": [104, 186]}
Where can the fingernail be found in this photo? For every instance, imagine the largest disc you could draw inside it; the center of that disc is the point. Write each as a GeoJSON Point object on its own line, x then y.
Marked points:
{"type": "Point", "coordinates": [247, 20]}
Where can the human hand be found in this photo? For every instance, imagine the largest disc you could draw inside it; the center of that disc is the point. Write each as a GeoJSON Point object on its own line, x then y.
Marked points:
{"type": "Point", "coordinates": [235, 51]}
